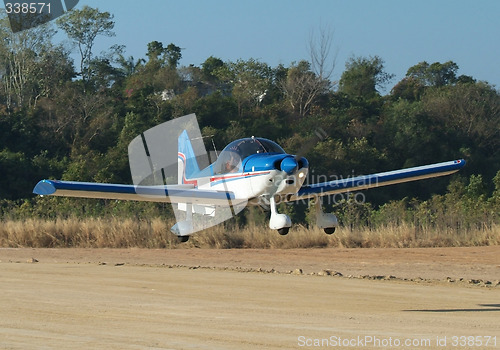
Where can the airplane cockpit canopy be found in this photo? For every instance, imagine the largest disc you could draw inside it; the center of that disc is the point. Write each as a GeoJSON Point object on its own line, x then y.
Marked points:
{"type": "Point", "coordinates": [231, 156]}
{"type": "Point", "coordinates": [248, 146]}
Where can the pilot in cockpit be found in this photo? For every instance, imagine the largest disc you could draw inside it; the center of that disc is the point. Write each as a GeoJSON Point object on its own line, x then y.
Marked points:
{"type": "Point", "coordinates": [232, 164]}
{"type": "Point", "coordinates": [231, 157]}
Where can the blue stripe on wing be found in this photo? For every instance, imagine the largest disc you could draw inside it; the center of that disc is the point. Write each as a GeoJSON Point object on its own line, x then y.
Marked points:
{"type": "Point", "coordinates": [380, 179]}
{"type": "Point", "coordinates": [48, 187]}
{"type": "Point", "coordinates": [173, 193]}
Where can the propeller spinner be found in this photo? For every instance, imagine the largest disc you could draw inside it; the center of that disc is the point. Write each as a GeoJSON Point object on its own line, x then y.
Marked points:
{"type": "Point", "coordinates": [289, 165]}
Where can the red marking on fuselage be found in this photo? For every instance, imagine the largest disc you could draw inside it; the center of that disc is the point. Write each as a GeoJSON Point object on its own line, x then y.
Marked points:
{"type": "Point", "coordinates": [216, 178]}
{"type": "Point", "coordinates": [184, 179]}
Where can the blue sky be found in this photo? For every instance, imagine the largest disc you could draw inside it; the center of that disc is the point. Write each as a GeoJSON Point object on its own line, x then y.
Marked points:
{"type": "Point", "coordinates": [403, 33]}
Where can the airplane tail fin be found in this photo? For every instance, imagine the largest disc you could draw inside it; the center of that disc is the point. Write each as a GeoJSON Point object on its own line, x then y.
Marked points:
{"type": "Point", "coordinates": [187, 165]}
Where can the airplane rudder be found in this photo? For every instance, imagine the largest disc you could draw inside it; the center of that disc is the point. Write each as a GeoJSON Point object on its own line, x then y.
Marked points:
{"type": "Point", "coordinates": [186, 155]}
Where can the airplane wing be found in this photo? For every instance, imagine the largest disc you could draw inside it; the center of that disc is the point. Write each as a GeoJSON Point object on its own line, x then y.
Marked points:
{"type": "Point", "coordinates": [166, 194]}
{"type": "Point", "coordinates": [375, 180]}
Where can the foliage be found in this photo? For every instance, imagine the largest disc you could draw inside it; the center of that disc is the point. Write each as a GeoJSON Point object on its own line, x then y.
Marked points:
{"type": "Point", "coordinates": [302, 87]}
{"type": "Point", "coordinates": [82, 27]}
{"type": "Point", "coordinates": [362, 76]}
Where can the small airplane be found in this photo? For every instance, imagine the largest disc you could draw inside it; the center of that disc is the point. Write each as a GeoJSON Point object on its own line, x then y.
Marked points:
{"type": "Point", "coordinates": [253, 171]}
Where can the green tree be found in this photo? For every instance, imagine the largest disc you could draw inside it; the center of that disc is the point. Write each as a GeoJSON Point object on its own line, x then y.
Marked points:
{"type": "Point", "coordinates": [161, 56]}
{"type": "Point", "coordinates": [467, 121]}
{"type": "Point", "coordinates": [54, 69]}
{"type": "Point", "coordinates": [495, 198]}
{"type": "Point", "coordinates": [129, 65]}
{"type": "Point", "coordinates": [435, 74]}
{"type": "Point", "coordinates": [155, 50]}
{"type": "Point", "coordinates": [408, 88]}
{"type": "Point", "coordinates": [302, 87]}
{"type": "Point", "coordinates": [23, 59]}
{"type": "Point", "coordinates": [249, 80]}
{"type": "Point", "coordinates": [173, 55]}
{"type": "Point", "coordinates": [363, 76]}
{"type": "Point", "coordinates": [210, 67]}
{"type": "Point", "coordinates": [17, 175]}
{"type": "Point", "coordinates": [82, 27]}
{"type": "Point", "coordinates": [408, 133]}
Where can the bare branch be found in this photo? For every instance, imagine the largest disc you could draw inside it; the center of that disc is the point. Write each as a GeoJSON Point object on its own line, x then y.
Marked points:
{"type": "Point", "coordinates": [320, 47]}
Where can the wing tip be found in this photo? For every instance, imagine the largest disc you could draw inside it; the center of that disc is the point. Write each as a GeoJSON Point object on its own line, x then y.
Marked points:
{"type": "Point", "coordinates": [44, 188]}
{"type": "Point", "coordinates": [460, 163]}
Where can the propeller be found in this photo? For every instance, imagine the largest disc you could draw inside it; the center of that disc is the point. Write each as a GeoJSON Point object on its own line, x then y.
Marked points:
{"type": "Point", "coordinates": [291, 164]}
{"type": "Point", "coordinates": [319, 135]}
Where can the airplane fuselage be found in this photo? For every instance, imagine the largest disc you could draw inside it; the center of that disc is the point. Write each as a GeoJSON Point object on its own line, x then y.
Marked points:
{"type": "Point", "coordinates": [254, 177]}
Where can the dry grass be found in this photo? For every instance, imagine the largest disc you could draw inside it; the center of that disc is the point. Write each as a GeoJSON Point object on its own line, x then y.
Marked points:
{"type": "Point", "coordinates": [88, 233]}
{"type": "Point", "coordinates": [411, 236]}
{"type": "Point", "coordinates": [155, 233]}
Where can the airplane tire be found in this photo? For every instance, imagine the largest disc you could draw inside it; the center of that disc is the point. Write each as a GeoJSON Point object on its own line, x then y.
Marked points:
{"type": "Point", "coordinates": [283, 231]}
{"type": "Point", "coordinates": [329, 230]}
{"type": "Point", "coordinates": [183, 239]}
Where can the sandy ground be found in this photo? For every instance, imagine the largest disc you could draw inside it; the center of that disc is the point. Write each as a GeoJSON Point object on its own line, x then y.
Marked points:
{"type": "Point", "coordinates": [248, 299]}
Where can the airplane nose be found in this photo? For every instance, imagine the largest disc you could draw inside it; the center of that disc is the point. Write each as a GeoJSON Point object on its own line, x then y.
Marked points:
{"type": "Point", "coordinates": [289, 165]}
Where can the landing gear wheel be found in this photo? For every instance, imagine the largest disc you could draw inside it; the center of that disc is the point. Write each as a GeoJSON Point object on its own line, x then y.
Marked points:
{"type": "Point", "coordinates": [283, 231]}
{"type": "Point", "coordinates": [183, 239]}
{"type": "Point", "coordinates": [329, 230]}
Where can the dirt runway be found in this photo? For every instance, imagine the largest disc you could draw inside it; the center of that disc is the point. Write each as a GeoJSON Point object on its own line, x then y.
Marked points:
{"type": "Point", "coordinates": [140, 299]}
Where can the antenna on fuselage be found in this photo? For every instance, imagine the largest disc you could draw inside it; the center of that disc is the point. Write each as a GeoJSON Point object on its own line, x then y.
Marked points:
{"type": "Point", "coordinates": [215, 149]}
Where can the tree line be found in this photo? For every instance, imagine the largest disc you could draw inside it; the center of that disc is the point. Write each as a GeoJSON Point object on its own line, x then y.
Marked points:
{"type": "Point", "coordinates": [73, 119]}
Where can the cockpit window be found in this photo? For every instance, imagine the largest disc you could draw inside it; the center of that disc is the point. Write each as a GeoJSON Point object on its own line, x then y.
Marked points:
{"type": "Point", "coordinates": [231, 157]}
{"type": "Point", "coordinates": [270, 146]}
{"type": "Point", "coordinates": [247, 147]}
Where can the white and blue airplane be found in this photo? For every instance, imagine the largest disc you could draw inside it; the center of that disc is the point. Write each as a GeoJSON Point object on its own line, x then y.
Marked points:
{"type": "Point", "coordinates": [253, 171]}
